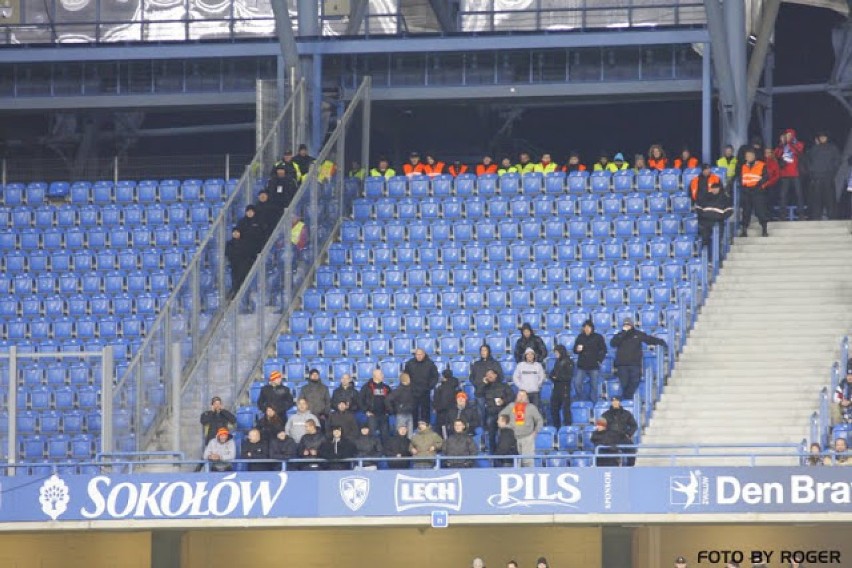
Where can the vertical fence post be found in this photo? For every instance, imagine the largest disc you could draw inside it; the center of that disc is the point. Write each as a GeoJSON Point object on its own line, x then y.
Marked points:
{"type": "Point", "coordinates": [227, 167]}
{"type": "Point", "coordinates": [195, 280]}
{"type": "Point", "coordinates": [3, 180]}
{"type": "Point", "coordinates": [107, 366]}
{"type": "Point", "coordinates": [365, 129]}
{"type": "Point", "coordinates": [288, 260]}
{"type": "Point", "coordinates": [11, 449]}
{"type": "Point", "coordinates": [175, 375]}
{"type": "Point", "coordinates": [115, 169]}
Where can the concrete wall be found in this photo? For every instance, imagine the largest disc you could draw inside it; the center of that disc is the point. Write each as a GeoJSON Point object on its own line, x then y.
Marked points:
{"type": "Point", "coordinates": [76, 549]}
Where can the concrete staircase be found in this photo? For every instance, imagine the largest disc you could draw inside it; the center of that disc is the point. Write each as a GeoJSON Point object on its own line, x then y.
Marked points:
{"type": "Point", "coordinates": [763, 344]}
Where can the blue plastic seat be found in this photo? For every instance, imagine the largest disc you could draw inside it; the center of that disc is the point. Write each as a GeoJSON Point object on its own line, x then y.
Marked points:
{"type": "Point", "coordinates": [577, 182]}
{"type": "Point", "coordinates": [646, 226]}
{"type": "Point", "coordinates": [600, 181]}
{"type": "Point", "coordinates": [669, 180]}
{"type": "Point", "coordinates": [498, 207]}
{"type": "Point", "coordinates": [658, 203]}
{"type": "Point", "coordinates": [554, 182]}
{"type": "Point", "coordinates": [451, 208]}
{"type": "Point", "coordinates": [427, 299]}
{"type": "Point", "coordinates": [440, 230]}
{"type": "Point", "coordinates": [44, 217]}
{"type": "Point", "coordinates": [634, 204]}
{"type": "Point", "coordinates": [486, 185]}
{"type": "Point", "coordinates": [30, 239]}
{"type": "Point", "coordinates": [681, 203]}
{"type": "Point", "coordinates": [475, 208]}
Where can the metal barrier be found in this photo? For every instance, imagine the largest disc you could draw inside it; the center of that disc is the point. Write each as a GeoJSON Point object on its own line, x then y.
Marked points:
{"type": "Point", "coordinates": [820, 423]}
{"type": "Point", "coordinates": [198, 301]}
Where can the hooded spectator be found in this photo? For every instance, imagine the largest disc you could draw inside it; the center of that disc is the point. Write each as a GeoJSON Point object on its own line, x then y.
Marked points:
{"type": "Point", "coordinates": [316, 393]}
{"type": "Point", "coordinates": [823, 161]}
{"type": "Point", "coordinates": [621, 421]}
{"type": "Point", "coordinates": [255, 450]}
{"type": "Point", "coordinates": [425, 443]}
{"type": "Point", "coordinates": [445, 397]}
{"type": "Point", "coordinates": [529, 375]}
{"type": "Point", "coordinates": [221, 451]}
{"type": "Point", "coordinates": [215, 418]}
{"type": "Point", "coordinates": [460, 444]}
{"type": "Point", "coordinates": [590, 348]}
{"type": "Point", "coordinates": [282, 447]}
{"type": "Point", "coordinates": [398, 446]}
{"type": "Point", "coordinates": [477, 376]}
{"type": "Point", "coordinates": [618, 164]}
{"type": "Point", "coordinates": [368, 445]}
{"type": "Point", "coordinates": [337, 449]}
{"type": "Point", "coordinates": [401, 402]}
{"type": "Point", "coordinates": [345, 419]}
{"type": "Point", "coordinates": [788, 152]}
{"type": "Point", "coordinates": [529, 340]}
{"type": "Point", "coordinates": [527, 423]}
{"type": "Point", "coordinates": [374, 401]}
{"type": "Point", "coordinates": [507, 444]}
{"type": "Point", "coordinates": [296, 426]}
{"type": "Point", "coordinates": [270, 424]}
{"type": "Point", "coordinates": [498, 395]}
{"type": "Point", "coordinates": [347, 393]}
{"type": "Point", "coordinates": [562, 377]}
{"type": "Point", "coordinates": [275, 394]}
{"type": "Point", "coordinates": [424, 378]}
{"type": "Point", "coordinates": [628, 355]}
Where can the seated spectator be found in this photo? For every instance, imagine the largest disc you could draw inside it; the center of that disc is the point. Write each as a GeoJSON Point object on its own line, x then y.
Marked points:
{"type": "Point", "coordinates": [507, 444]}
{"type": "Point", "coordinates": [425, 443]}
{"type": "Point", "coordinates": [433, 167]}
{"type": "Point", "coordinates": [356, 170]}
{"type": "Point", "coordinates": [506, 167]}
{"type": "Point", "coordinates": [347, 393]}
{"type": "Point", "coordinates": [841, 410]}
{"type": "Point", "coordinates": [221, 451]}
{"type": "Point", "coordinates": [657, 158]}
{"type": "Point", "coordinates": [240, 259]}
{"type": "Point", "coordinates": [606, 442]}
{"type": "Point", "coordinates": [275, 394]}
{"type": "Point", "coordinates": [414, 166]}
{"type": "Point", "coordinates": [469, 415]}
{"type": "Point", "coordinates": [602, 164]}
{"type": "Point", "coordinates": [621, 421]}
{"type": "Point", "coordinates": [840, 454]}
{"type": "Point", "coordinates": [310, 444]}
{"type": "Point", "coordinates": [477, 563]}
{"type": "Point", "coordinates": [457, 169]}
{"type": "Point", "coordinates": [618, 163]}
{"type": "Point", "coordinates": [345, 419]}
{"type": "Point", "coordinates": [701, 182]}
{"type": "Point", "coordinates": [546, 165]}
{"type": "Point", "coordinates": [296, 426]}
{"type": "Point", "coordinates": [486, 166]}
{"type": "Point", "coordinates": [283, 447]}
{"type": "Point", "coordinates": [529, 340]}
{"type": "Point", "coordinates": [216, 418]}
{"type": "Point", "coordinates": [685, 161]}
{"type": "Point", "coordinates": [574, 164]}
{"type": "Point", "coordinates": [337, 449]}
{"type": "Point", "coordinates": [317, 395]}
{"type": "Point", "coordinates": [401, 402]}
{"type": "Point", "coordinates": [525, 164]}
{"type": "Point", "coordinates": [713, 207]}
{"type": "Point", "coordinates": [398, 446]}
{"type": "Point", "coordinates": [368, 445]}
{"type": "Point", "coordinates": [269, 425]}
{"type": "Point", "coordinates": [383, 169]}
{"type": "Point", "coordinates": [529, 375]}
{"type": "Point", "coordinates": [255, 448]}
{"type": "Point", "coordinates": [639, 164]}
{"type": "Point", "coordinates": [460, 443]}
{"type": "Point", "coordinates": [527, 422]}
{"type": "Point", "coordinates": [374, 396]}
{"type": "Point", "coordinates": [444, 400]}
{"type": "Point", "coordinates": [815, 456]}
{"type": "Point", "coordinates": [298, 236]}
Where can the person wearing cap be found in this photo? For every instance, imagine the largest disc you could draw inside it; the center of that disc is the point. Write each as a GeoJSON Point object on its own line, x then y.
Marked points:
{"type": "Point", "coordinates": [401, 402]}
{"type": "Point", "coordinates": [618, 164]}
{"type": "Point", "coordinates": [728, 161]}
{"type": "Point", "coordinates": [221, 451]}
{"type": "Point", "coordinates": [383, 169]}
{"type": "Point", "coordinates": [425, 443]}
{"type": "Point", "coordinates": [712, 206]}
{"type": "Point", "coordinates": [702, 181]}
{"type": "Point", "coordinates": [529, 375]}
{"type": "Point", "coordinates": [467, 414]}
{"type": "Point", "coordinates": [525, 164]}
{"type": "Point", "coordinates": [823, 161]}
{"type": "Point", "coordinates": [680, 562]}
{"type": "Point", "coordinates": [345, 418]}
{"type": "Point", "coordinates": [374, 401]}
{"type": "Point", "coordinates": [215, 418]}
{"type": "Point", "coordinates": [424, 378]}
{"type": "Point", "coordinates": [628, 355]}
{"type": "Point", "coordinates": [337, 449]}
{"type": "Point", "coordinates": [303, 160]}
{"type": "Point", "coordinates": [317, 395]}
{"type": "Point", "coordinates": [686, 161]}
{"type": "Point", "coordinates": [460, 443]}
{"type": "Point", "coordinates": [444, 401]}
{"type": "Point", "coordinates": [753, 177]}
{"type": "Point", "coordinates": [284, 182]}
{"type": "Point", "coordinates": [498, 395]}
{"type": "Point", "coordinates": [590, 349]}
{"type": "Point", "coordinates": [621, 421]}
{"type": "Point", "coordinates": [841, 410]}
{"type": "Point", "coordinates": [295, 426]}
{"type": "Point", "coordinates": [527, 422]}
{"type": "Point", "coordinates": [573, 164]}
{"type": "Point", "coordinates": [255, 449]}
{"type": "Point", "coordinates": [506, 167]}
{"type": "Point", "coordinates": [562, 376]}
{"type": "Point", "coordinates": [529, 340]}
{"type": "Point", "coordinates": [414, 167]}
{"type": "Point", "coordinates": [546, 165]}
{"type": "Point", "coordinates": [251, 231]}
{"type": "Point", "coordinates": [606, 443]}
{"type": "Point", "coordinates": [486, 166]}
{"type": "Point", "coordinates": [275, 394]}
{"type": "Point", "coordinates": [433, 167]}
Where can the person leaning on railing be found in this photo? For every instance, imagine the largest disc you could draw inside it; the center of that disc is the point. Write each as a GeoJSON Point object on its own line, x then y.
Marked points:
{"type": "Point", "coordinates": [221, 451]}
{"type": "Point", "coordinates": [840, 455]}
{"type": "Point", "coordinates": [841, 410]}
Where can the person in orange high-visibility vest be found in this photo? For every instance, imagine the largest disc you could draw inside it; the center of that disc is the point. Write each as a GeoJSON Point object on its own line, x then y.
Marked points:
{"type": "Point", "coordinates": [657, 158]}
{"type": "Point", "coordinates": [573, 164]}
{"type": "Point", "coordinates": [433, 167]}
{"type": "Point", "coordinates": [486, 166]}
{"type": "Point", "coordinates": [752, 177]}
{"type": "Point", "coordinates": [414, 166]}
{"type": "Point", "coordinates": [685, 161]}
{"type": "Point", "coordinates": [702, 182]}
{"type": "Point", "coordinates": [457, 169]}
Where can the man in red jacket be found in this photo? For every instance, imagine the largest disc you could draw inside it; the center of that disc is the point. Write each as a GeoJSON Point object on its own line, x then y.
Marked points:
{"type": "Point", "coordinates": [773, 175]}
{"type": "Point", "coordinates": [788, 152]}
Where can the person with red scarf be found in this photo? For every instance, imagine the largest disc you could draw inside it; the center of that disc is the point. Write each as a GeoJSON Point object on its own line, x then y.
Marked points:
{"type": "Point", "coordinates": [788, 152]}
{"type": "Point", "coordinates": [527, 422]}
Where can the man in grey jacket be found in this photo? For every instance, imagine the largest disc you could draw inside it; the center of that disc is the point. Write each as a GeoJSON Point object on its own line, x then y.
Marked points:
{"type": "Point", "coordinates": [526, 421]}
{"type": "Point", "coordinates": [295, 427]}
{"type": "Point", "coordinates": [318, 397]}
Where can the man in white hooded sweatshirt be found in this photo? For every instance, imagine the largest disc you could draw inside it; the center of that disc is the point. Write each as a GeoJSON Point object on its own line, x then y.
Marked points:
{"type": "Point", "coordinates": [529, 376]}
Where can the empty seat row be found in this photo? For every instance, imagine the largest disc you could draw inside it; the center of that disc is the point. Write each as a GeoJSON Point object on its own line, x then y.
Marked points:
{"type": "Point", "coordinates": [47, 217]}
{"type": "Point", "coordinates": [59, 373]}
{"type": "Point", "coordinates": [78, 305]}
{"type": "Point", "coordinates": [86, 327]}
{"type": "Point", "coordinates": [115, 282]}
{"type": "Point", "coordinates": [59, 398]}
{"type": "Point", "coordinates": [58, 447]}
{"type": "Point", "coordinates": [122, 348]}
{"type": "Point", "coordinates": [172, 258]}
{"type": "Point", "coordinates": [100, 238]}
{"type": "Point", "coordinates": [52, 422]}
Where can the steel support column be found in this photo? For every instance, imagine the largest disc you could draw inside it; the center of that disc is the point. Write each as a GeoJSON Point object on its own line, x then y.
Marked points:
{"type": "Point", "coordinates": [768, 15]}
{"type": "Point", "coordinates": [357, 12]}
{"type": "Point", "coordinates": [706, 101]}
{"type": "Point", "coordinates": [735, 30]}
{"type": "Point", "coordinates": [315, 90]}
{"type": "Point", "coordinates": [285, 34]}
{"type": "Point", "coordinates": [308, 15]}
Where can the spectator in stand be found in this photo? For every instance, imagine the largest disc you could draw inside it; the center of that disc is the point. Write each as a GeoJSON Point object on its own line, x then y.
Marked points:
{"type": "Point", "coordinates": [603, 162]}
{"type": "Point", "coordinates": [618, 164]}
{"type": "Point", "coordinates": [701, 182]}
{"type": "Point", "coordinates": [425, 443]}
{"type": "Point", "coordinates": [398, 446]}
{"type": "Point", "coordinates": [621, 421]}
{"type": "Point", "coordinates": [368, 445]}
{"type": "Point", "coordinates": [773, 170]}
{"type": "Point", "coordinates": [310, 444]}
{"type": "Point", "coordinates": [303, 159]}
{"type": "Point", "coordinates": [511, 564]}
{"type": "Point", "coordinates": [752, 179]}
{"type": "Point", "coordinates": [498, 395]}
{"type": "Point", "coordinates": [401, 402]}
{"type": "Point", "coordinates": [685, 161]}
{"type": "Point", "coordinates": [284, 183]}
{"type": "Point", "coordinates": [457, 169]}
{"type": "Point", "coordinates": [346, 392]}
{"type": "Point", "coordinates": [680, 562]}
{"type": "Point", "coordinates": [841, 410]}
{"type": "Point", "coordinates": [414, 167]}
{"type": "Point", "coordinates": [713, 206]}
{"type": "Point", "coordinates": [337, 449]}
{"type": "Point", "coordinates": [606, 443]}
{"type": "Point", "coordinates": [639, 164]}
{"type": "Point", "coordinates": [562, 376]}
{"type": "Point", "coordinates": [215, 418]}
{"type": "Point", "coordinates": [374, 399]}
{"type": "Point", "coordinates": [823, 160]}
{"type": "Point", "coordinates": [728, 161]}
{"type": "Point", "coordinates": [628, 356]}
{"type": "Point", "coordinates": [840, 453]}
{"type": "Point", "coordinates": [270, 424]}
{"type": "Point", "coordinates": [433, 167]}
{"type": "Point", "coordinates": [267, 214]}
{"type": "Point", "coordinates": [255, 448]}
{"type": "Point", "coordinates": [477, 563]}
{"type": "Point", "coordinates": [573, 164]}
{"type": "Point", "coordinates": [506, 167]}
{"type": "Point", "coordinates": [529, 375]}
{"type": "Point", "coordinates": [424, 377]}
{"type": "Point", "coordinates": [546, 165]}
{"type": "Point", "coordinates": [316, 393]}
{"type": "Point", "coordinates": [657, 158]}
{"type": "Point", "coordinates": [486, 166]}
{"type": "Point", "coordinates": [221, 451]}
{"type": "Point", "coordinates": [275, 394]}
{"type": "Point", "coordinates": [356, 170]}
{"type": "Point", "coordinates": [240, 258]}
{"type": "Point", "coordinates": [283, 448]}
{"type": "Point", "coordinates": [525, 164]}
{"type": "Point", "coordinates": [529, 340]}
{"type": "Point", "coordinates": [526, 420]}
{"type": "Point", "coordinates": [252, 232]}
{"type": "Point", "coordinates": [296, 426]}
{"type": "Point", "coordinates": [460, 444]}
{"type": "Point", "coordinates": [788, 152]}
{"type": "Point", "coordinates": [815, 457]}
{"type": "Point", "coordinates": [463, 412]}
{"type": "Point", "coordinates": [507, 444]}
{"type": "Point", "coordinates": [477, 377]}
{"type": "Point", "coordinates": [383, 169]}
{"type": "Point", "coordinates": [590, 348]}
{"type": "Point", "coordinates": [445, 398]}
{"type": "Point", "coordinates": [344, 418]}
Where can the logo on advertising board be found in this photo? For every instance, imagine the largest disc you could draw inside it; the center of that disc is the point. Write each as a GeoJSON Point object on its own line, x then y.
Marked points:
{"type": "Point", "coordinates": [428, 492]}
{"type": "Point", "coordinates": [354, 491]}
{"type": "Point", "coordinates": [537, 489]}
{"type": "Point", "coordinates": [54, 497]}
{"type": "Point", "coordinates": [688, 490]}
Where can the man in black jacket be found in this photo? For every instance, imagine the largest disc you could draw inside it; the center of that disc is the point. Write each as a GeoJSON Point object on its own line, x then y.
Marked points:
{"type": "Point", "coordinates": [424, 377]}
{"type": "Point", "coordinates": [282, 447]}
{"type": "Point", "coordinates": [303, 159]}
{"type": "Point", "coordinates": [823, 159]}
{"type": "Point", "coordinates": [398, 446]}
{"type": "Point", "coordinates": [477, 377]}
{"type": "Point", "coordinates": [498, 395]}
{"type": "Point", "coordinates": [467, 414]}
{"type": "Point", "coordinates": [309, 446]}
{"type": "Point", "coordinates": [347, 393]}
{"type": "Point", "coordinates": [336, 449]}
{"type": "Point", "coordinates": [343, 418]}
{"type": "Point", "coordinates": [621, 421]}
{"type": "Point", "coordinates": [507, 444]}
{"type": "Point", "coordinates": [444, 400]}
{"type": "Point", "coordinates": [713, 206]}
{"type": "Point", "coordinates": [606, 442]}
{"type": "Point", "coordinates": [267, 214]}
{"type": "Point", "coordinates": [590, 348]}
{"type": "Point", "coordinates": [240, 257]}
{"type": "Point", "coordinates": [529, 340]}
{"type": "Point", "coordinates": [215, 418]}
{"type": "Point", "coordinates": [276, 395]}
{"type": "Point", "coordinates": [368, 445]}
{"type": "Point", "coordinates": [284, 183]}
{"type": "Point", "coordinates": [628, 356]}
{"type": "Point", "coordinates": [251, 231]}
{"type": "Point", "coordinates": [562, 376]}
{"type": "Point", "coordinates": [254, 448]}
{"type": "Point", "coordinates": [374, 401]}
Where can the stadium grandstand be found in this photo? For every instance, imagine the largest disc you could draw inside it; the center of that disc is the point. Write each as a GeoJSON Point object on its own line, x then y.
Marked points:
{"type": "Point", "coordinates": [458, 281]}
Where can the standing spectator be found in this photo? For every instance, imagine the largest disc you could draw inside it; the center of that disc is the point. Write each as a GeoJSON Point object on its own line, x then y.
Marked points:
{"type": "Point", "coordinates": [221, 451]}
{"type": "Point", "coordinates": [590, 348]}
{"type": "Point", "coordinates": [414, 167]}
{"type": "Point", "coordinates": [702, 181]}
{"type": "Point", "coordinates": [251, 231]}
{"type": "Point", "coordinates": [346, 392]}
{"type": "Point", "coordinates": [752, 180]}
{"type": "Point", "coordinates": [815, 457]}
{"type": "Point", "coordinates": [823, 161]}
{"type": "Point", "coordinates": [297, 424]}
{"type": "Point", "coordinates": [460, 444]}
{"type": "Point", "coordinates": [433, 167]}
{"type": "Point", "coordinates": [463, 412]}
{"type": "Point", "coordinates": [284, 184]}
{"type": "Point", "coordinates": [506, 167]}
{"type": "Point", "coordinates": [425, 443]}
{"type": "Point", "coordinates": [337, 449]}
{"type": "Point", "coordinates": [606, 443]}
{"type": "Point", "coordinates": [529, 375]}
{"type": "Point", "coordinates": [562, 376]}
{"type": "Point", "coordinates": [728, 161]}
{"type": "Point", "coordinates": [310, 445]}
{"type": "Point", "coordinates": [840, 454]}
{"type": "Point", "coordinates": [240, 258]}
{"type": "Point", "coordinates": [713, 206]}
{"type": "Point", "coordinates": [628, 356]}
{"type": "Point", "coordinates": [316, 393]}
{"type": "Point", "coordinates": [573, 164]}
{"type": "Point", "coordinates": [401, 402]}
{"type": "Point", "coordinates": [773, 175]}
{"type": "Point", "coordinates": [657, 158]}
{"type": "Point", "coordinates": [283, 448]}
{"type": "Point", "coordinates": [254, 449]}
{"type": "Point", "coordinates": [546, 165]}
{"type": "Point", "coordinates": [525, 164]}
{"type": "Point", "coordinates": [686, 160]}
{"type": "Point", "coordinates": [498, 395]}
{"type": "Point", "coordinates": [275, 394]}
{"type": "Point", "coordinates": [529, 340]}
{"type": "Point", "coordinates": [621, 421]}
{"type": "Point", "coordinates": [841, 410]}
{"type": "Point", "coordinates": [526, 420]}
{"type": "Point", "coordinates": [486, 166]}
{"type": "Point", "coordinates": [303, 159]}
{"type": "Point", "coordinates": [477, 377]}
{"type": "Point", "coordinates": [424, 377]}
{"type": "Point", "coordinates": [788, 152]}
{"type": "Point", "coordinates": [368, 445]}
{"type": "Point", "coordinates": [344, 418]}
{"type": "Point", "coordinates": [445, 398]}
{"type": "Point", "coordinates": [267, 214]}
{"type": "Point", "coordinates": [270, 424]}
{"type": "Point", "coordinates": [215, 418]}
{"type": "Point", "coordinates": [457, 169]}
{"type": "Point", "coordinates": [383, 169]}
{"type": "Point", "coordinates": [374, 398]}
{"type": "Point", "coordinates": [398, 446]}
{"type": "Point", "coordinates": [507, 444]}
